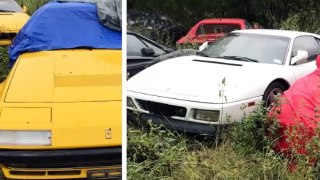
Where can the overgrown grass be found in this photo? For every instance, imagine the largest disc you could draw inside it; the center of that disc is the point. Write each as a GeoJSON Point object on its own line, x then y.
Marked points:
{"type": "Point", "coordinates": [245, 153]}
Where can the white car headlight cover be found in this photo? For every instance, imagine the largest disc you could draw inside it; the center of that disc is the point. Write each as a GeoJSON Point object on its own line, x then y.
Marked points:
{"type": "Point", "coordinates": [25, 138]}
{"type": "Point", "coordinates": [206, 115]}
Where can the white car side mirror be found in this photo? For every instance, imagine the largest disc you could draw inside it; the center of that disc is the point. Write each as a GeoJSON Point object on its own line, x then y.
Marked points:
{"type": "Point", "coordinates": [203, 46]}
{"type": "Point", "coordinates": [301, 55]}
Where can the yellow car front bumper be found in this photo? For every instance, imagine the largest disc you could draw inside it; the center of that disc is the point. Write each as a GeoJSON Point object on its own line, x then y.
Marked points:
{"type": "Point", "coordinates": [10, 25]}
{"type": "Point", "coordinates": [5, 42]}
{"type": "Point", "coordinates": [101, 163]}
{"type": "Point", "coordinates": [107, 172]}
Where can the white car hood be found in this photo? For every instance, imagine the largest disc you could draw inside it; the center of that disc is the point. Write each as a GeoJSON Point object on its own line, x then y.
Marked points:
{"type": "Point", "coordinates": [209, 80]}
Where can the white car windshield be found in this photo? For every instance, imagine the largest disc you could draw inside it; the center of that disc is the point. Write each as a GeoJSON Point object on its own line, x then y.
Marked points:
{"type": "Point", "coordinates": [9, 6]}
{"type": "Point", "coordinates": [249, 47]}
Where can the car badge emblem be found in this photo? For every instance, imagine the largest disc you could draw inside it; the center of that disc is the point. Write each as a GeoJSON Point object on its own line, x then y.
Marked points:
{"type": "Point", "coordinates": [108, 133]}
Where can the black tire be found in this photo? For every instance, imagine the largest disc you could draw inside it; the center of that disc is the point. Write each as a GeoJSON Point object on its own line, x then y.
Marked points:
{"type": "Point", "coordinates": [273, 89]}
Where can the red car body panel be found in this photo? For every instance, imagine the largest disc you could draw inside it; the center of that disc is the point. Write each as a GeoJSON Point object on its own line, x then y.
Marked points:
{"type": "Point", "coordinates": [298, 114]}
{"type": "Point", "coordinates": [219, 27]}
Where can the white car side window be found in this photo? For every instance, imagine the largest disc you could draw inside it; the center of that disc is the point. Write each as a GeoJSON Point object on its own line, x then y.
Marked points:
{"type": "Point", "coordinates": [306, 43]}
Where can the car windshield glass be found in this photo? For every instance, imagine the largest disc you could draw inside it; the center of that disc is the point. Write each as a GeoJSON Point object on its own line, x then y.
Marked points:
{"type": "Point", "coordinates": [217, 28]}
{"type": "Point", "coordinates": [156, 49]}
{"type": "Point", "coordinates": [250, 47]}
{"type": "Point", "coordinates": [134, 46]}
{"type": "Point", "coordinates": [9, 6]}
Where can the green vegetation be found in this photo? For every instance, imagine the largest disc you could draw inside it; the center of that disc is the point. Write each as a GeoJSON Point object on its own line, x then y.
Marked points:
{"type": "Point", "coordinates": [4, 63]}
{"type": "Point", "coordinates": [269, 13]}
{"type": "Point", "coordinates": [245, 152]}
{"type": "Point", "coordinates": [301, 15]}
{"type": "Point", "coordinates": [32, 5]}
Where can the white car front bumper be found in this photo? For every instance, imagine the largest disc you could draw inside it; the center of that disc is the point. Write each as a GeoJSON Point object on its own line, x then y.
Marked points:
{"type": "Point", "coordinates": [229, 112]}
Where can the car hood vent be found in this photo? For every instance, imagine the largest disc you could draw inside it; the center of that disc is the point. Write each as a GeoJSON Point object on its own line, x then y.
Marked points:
{"type": "Point", "coordinates": [216, 62]}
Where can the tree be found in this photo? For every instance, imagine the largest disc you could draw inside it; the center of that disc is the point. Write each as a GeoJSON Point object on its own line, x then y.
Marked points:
{"type": "Point", "coordinates": [269, 13]}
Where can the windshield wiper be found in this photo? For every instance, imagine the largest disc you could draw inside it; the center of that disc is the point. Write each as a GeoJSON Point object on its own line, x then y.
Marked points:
{"type": "Point", "coordinates": [3, 10]}
{"type": "Point", "coordinates": [238, 58]}
{"type": "Point", "coordinates": [200, 53]}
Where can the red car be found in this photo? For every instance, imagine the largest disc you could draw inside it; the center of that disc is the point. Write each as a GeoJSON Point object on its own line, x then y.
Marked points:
{"type": "Point", "coordinates": [298, 115]}
{"type": "Point", "coordinates": [212, 29]}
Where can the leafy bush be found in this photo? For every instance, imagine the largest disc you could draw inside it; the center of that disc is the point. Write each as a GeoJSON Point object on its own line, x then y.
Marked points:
{"type": "Point", "coordinates": [302, 21]}
{"type": "Point", "coordinates": [256, 132]}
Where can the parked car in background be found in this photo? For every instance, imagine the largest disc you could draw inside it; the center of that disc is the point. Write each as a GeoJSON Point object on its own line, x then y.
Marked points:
{"type": "Point", "coordinates": [158, 27]}
{"type": "Point", "coordinates": [223, 82]}
{"type": "Point", "coordinates": [12, 19]}
{"type": "Point", "coordinates": [61, 102]}
{"type": "Point", "coordinates": [141, 52]}
{"type": "Point", "coordinates": [212, 29]}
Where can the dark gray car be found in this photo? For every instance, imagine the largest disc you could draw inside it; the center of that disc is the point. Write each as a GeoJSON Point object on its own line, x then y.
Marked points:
{"type": "Point", "coordinates": [143, 52]}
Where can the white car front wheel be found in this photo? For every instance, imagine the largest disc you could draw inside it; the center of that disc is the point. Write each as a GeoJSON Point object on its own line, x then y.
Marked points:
{"type": "Point", "coordinates": [273, 89]}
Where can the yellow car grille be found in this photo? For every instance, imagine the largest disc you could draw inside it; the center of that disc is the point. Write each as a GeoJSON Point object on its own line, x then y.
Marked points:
{"type": "Point", "coordinates": [109, 172]}
{"type": "Point", "coordinates": [5, 36]}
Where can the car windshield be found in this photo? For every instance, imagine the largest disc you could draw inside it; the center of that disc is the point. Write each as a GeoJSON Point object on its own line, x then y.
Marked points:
{"type": "Point", "coordinates": [217, 28]}
{"type": "Point", "coordinates": [9, 6]}
{"type": "Point", "coordinates": [249, 47]}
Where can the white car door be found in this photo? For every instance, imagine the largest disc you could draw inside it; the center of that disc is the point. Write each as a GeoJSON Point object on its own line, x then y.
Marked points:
{"type": "Point", "coordinates": [304, 69]}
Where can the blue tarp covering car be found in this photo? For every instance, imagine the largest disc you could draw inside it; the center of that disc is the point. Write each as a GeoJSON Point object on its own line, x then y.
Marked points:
{"type": "Point", "coordinates": [64, 26]}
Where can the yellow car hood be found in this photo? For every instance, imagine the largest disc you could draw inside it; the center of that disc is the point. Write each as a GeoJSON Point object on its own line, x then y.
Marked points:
{"type": "Point", "coordinates": [74, 94]}
{"type": "Point", "coordinates": [12, 22]}
{"type": "Point", "coordinates": [66, 76]}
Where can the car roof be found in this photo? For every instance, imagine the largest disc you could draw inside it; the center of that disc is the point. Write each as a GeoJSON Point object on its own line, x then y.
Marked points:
{"type": "Point", "coordinates": [224, 20]}
{"type": "Point", "coordinates": [275, 32]}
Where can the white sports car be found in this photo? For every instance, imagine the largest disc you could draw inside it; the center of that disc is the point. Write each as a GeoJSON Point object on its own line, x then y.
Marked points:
{"type": "Point", "coordinates": [224, 81]}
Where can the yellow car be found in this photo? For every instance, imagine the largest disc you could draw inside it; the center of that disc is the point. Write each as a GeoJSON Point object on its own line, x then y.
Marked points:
{"type": "Point", "coordinates": [61, 108]}
{"type": "Point", "coordinates": [12, 19]}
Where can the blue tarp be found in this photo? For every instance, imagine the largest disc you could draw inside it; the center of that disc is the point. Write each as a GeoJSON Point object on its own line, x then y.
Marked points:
{"type": "Point", "coordinates": [64, 26]}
